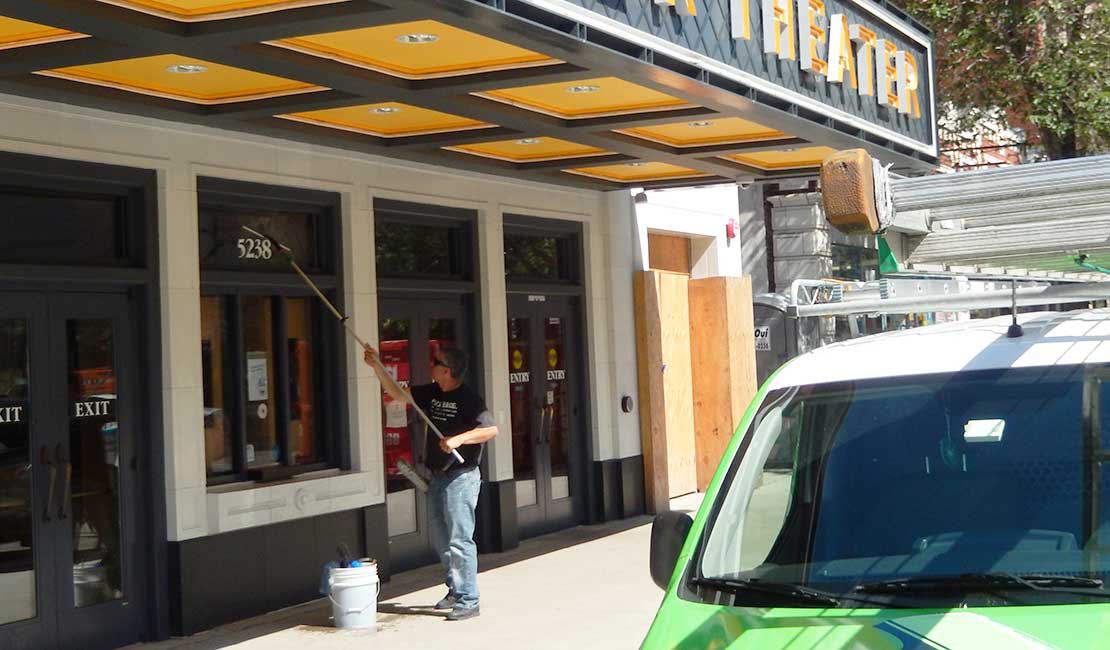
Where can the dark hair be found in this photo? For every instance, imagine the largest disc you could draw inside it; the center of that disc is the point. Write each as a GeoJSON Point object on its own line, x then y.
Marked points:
{"type": "Point", "coordinates": [455, 360]}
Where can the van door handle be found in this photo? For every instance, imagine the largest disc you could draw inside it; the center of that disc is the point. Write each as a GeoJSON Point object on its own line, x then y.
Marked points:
{"type": "Point", "coordinates": [63, 457]}
{"type": "Point", "coordinates": [46, 456]}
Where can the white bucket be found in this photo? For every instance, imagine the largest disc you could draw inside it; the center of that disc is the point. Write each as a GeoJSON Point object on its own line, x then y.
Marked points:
{"type": "Point", "coordinates": [354, 595]}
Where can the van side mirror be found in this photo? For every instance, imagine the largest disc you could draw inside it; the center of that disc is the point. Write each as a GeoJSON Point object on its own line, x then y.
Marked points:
{"type": "Point", "coordinates": [668, 534]}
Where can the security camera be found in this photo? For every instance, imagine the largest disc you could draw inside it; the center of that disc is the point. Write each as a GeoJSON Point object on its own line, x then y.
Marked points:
{"type": "Point", "coordinates": [745, 184]}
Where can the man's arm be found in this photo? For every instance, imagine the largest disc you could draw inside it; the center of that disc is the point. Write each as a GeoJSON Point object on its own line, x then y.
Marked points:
{"type": "Point", "coordinates": [390, 385]}
{"type": "Point", "coordinates": [486, 429]}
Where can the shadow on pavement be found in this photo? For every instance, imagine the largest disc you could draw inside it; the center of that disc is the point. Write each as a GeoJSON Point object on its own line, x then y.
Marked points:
{"type": "Point", "coordinates": [314, 616]}
{"type": "Point", "coordinates": [429, 576]}
{"type": "Point", "coordinates": [422, 610]}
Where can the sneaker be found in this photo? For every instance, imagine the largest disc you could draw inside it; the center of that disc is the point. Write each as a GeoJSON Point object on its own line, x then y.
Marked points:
{"type": "Point", "coordinates": [448, 602]}
{"type": "Point", "coordinates": [462, 613]}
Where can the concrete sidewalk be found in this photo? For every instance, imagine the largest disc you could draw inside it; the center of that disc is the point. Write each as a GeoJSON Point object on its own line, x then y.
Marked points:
{"type": "Point", "coordinates": [587, 587]}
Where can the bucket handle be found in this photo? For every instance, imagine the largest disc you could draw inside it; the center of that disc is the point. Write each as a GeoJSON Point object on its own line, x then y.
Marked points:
{"type": "Point", "coordinates": [377, 592]}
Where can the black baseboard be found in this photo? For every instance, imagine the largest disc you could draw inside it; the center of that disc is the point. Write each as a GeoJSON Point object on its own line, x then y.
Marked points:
{"type": "Point", "coordinates": [224, 578]}
{"type": "Point", "coordinates": [633, 502]}
{"type": "Point", "coordinates": [619, 488]}
{"type": "Point", "coordinates": [497, 526]}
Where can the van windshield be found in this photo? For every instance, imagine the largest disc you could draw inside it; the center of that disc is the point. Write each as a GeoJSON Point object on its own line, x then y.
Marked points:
{"type": "Point", "coordinates": [978, 488]}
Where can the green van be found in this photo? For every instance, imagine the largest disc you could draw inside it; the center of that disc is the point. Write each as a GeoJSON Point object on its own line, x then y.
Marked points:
{"type": "Point", "coordinates": [943, 488]}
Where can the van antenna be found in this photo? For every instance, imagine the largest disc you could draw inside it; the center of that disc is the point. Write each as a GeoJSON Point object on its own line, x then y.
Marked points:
{"type": "Point", "coordinates": [1014, 330]}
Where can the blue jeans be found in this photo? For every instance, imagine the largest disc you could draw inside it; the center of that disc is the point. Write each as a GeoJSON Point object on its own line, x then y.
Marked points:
{"type": "Point", "coordinates": [452, 497]}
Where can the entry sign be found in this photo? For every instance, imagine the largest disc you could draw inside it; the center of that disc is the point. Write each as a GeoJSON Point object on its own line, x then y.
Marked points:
{"type": "Point", "coordinates": [763, 339]}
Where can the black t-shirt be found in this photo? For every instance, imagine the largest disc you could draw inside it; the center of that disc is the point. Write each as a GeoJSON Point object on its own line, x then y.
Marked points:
{"type": "Point", "coordinates": [454, 411]}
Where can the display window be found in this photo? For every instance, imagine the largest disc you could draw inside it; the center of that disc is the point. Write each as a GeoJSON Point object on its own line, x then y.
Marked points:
{"type": "Point", "coordinates": [265, 336]}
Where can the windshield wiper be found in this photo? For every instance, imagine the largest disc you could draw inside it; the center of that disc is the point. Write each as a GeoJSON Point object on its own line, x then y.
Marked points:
{"type": "Point", "coordinates": [795, 592]}
{"type": "Point", "coordinates": [1031, 581]}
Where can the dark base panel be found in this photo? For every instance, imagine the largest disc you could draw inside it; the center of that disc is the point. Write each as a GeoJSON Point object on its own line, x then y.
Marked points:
{"type": "Point", "coordinates": [375, 535]}
{"type": "Point", "coordinates": [632, 486]}
{"type": "Point", "coordinates": [224, 578]}
{"type": "Point", "coordinates": [620, 488]}
{"type": "Point", "coordinates": [497, 527]}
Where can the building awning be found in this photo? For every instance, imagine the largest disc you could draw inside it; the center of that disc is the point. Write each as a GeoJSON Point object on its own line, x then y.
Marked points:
{"type": "Point", "coordinates": [583, 93]}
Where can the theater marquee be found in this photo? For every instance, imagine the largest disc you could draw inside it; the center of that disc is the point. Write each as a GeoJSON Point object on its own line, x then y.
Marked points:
{"type": "Point", "coordinates": [859, 62]}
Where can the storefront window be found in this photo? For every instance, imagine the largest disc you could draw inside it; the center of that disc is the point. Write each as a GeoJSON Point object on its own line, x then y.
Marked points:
{"type": "Point", "coordinates": [258, 338]}
{"type": "Point", "coordinates": [219, 396]}
{"type": "Point", "coordinates": [538, 258]}
{"type": "Point", "coordinates": [416, 241]}
{"type": "Point", "coordinates": [71, 228]}
{"type": "Point", "coordinates": [301, 341]}
{"type": "Point", "coordinates": [262, 341]}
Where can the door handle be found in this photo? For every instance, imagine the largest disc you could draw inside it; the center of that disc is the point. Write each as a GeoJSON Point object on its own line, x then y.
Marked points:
{"type": "Point", "coordinates": [67, 471]}
{"type": "Point", "coordinates": [539, 431]}
{"type": "Point", "coordinates": [46, 455]}
{"type": "Point", "coordinates": [550, 423]}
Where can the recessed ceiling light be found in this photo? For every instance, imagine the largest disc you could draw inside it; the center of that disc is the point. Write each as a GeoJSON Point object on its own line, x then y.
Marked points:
{"type": "Point", "coordinates": [700, 124]}
{"type": "Point", "coordinates": [583, 89]}
{"type": "Point", "coordinates": [528, 141]}
{"type": "Point", "coordinates": [789, 149]}
{"type": "Point", "coordinates": [635, 164]}
{"type": "Point", "coordinates": [385, 110]}
{"type": "Point", "coordinates": [416, 39]}
{"type": "Point", "coordinates": [187, 68]}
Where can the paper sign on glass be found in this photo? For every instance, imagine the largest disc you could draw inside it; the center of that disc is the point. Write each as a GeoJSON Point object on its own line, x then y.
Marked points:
{"type": "Point", "coordinates": [258, 385]}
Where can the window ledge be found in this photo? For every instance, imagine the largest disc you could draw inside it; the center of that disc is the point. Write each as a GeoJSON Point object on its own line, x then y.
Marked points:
{"type": "Point", "coordinates": [247, 504]}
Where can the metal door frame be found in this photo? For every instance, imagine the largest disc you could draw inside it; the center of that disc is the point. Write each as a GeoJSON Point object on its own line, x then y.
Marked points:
{"type": "Point", "coordinates": [546, 515]}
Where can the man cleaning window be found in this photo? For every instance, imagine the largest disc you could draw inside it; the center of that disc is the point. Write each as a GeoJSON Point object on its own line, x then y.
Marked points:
{"type": "Point", "coordinates": [461, 415]}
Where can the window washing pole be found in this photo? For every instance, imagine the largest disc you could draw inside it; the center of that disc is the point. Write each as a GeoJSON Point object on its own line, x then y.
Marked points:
{"type": "Point", "coordinates": [288, 252]}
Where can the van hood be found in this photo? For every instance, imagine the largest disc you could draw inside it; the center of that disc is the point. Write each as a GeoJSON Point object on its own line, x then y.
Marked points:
{"type": "Point", "coordinates": [683, 624]}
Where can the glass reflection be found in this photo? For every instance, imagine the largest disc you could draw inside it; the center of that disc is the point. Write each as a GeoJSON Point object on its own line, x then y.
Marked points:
{"type": "Point", "coordinates": [397, 439]}
{"type": "Point", "coordinates": [258, 337]}
{"type": "Point", "coordinates": [215, 350]}
{"type": "Point", "coordinates": [555, 405]}
{"type": "Point", "coordinates": [520, 400]}
{"type": "Point", "coordinates": [17, 570]}
{"type": "Point", "coordinates": [306, 446]}
{"type": "Point", "coordinates": [90, 469]}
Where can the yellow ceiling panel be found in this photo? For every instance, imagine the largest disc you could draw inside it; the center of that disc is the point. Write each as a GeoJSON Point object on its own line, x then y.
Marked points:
{"type": "Point", "coordinates": [637, 172]}
{"type": "Point", "coordinates": [705, 132]}
{"type": "Point", "coordinates": [420, 49]}
{"type": "Point", "coordinates": [17, 33]}
{"type": "Point", "coordinates": [530, 149]}
{"type": "Point", "coordinates": [196, 10]}
{"type": "Point", "coordinates": [387, 120]}
{"type": "Point", "coordinates": [195, 80]}
{"type": "Point", "coordinates": [784, 158]}
{"type": "Point", "coordinates": [587, 98]}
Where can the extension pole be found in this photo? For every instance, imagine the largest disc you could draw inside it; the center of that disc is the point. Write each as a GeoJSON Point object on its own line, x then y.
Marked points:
{"type": "Point", "coordinates": [288, 252]}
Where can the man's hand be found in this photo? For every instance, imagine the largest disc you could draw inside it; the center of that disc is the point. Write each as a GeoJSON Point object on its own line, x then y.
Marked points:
{"type": "Point", "coordinates": [370, 355]}
{"type": "Point", "coordinates": [449, 444]}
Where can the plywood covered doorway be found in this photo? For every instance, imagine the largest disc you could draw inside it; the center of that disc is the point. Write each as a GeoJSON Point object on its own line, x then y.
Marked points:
{"type": "Point", "coordinates": [696, 369]}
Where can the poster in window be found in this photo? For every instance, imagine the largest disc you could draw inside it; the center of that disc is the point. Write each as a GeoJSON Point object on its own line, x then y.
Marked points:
{"type": "Point", "coordinates": [258, 386]}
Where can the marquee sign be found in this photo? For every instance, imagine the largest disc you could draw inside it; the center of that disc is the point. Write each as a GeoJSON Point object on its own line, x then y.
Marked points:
{"type": "Point", "coordinates": [857, 61]}
{"type": "Point", "coordinates": [827, 46]}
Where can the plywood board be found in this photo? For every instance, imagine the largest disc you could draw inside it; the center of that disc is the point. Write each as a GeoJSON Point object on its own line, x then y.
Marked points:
{"type": "Point", "coordinates": [723, 365]}
{"type": "Point", "coordinates": [648, 362]}
{"type": "Point", "coordinates": [678, 393]}
{"type": "Point", "coordinates": [669, 253]}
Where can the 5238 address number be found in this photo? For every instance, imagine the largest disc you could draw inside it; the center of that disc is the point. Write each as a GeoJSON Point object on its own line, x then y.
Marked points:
{"type": "Point", "coordinates": [255, 249]}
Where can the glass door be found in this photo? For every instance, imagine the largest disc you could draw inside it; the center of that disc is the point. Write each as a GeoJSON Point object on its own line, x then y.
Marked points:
{"type": "Point", "coordinates": [543, 384]}
{"type": "Point", "coordinates": [28, 610]}
{"type": "Point", "coordinates": [97, 578]}
{"type": "Point", "coordinates": [410, 332]}
{"type": "Point", "coordinates": [67, 494]}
